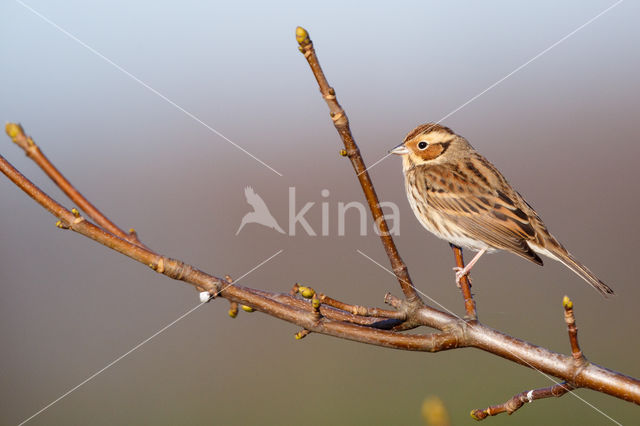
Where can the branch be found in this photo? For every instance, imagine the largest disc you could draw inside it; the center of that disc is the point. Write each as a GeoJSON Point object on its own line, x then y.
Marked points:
{"type": "Point", "coordinates": [17, 135]}
{"type": "Point", "coordinates": [557, 390]}
{"type": "Point", "coordinates": [465, 286]}
{"type": "Point", "coordinates": [341, 122]}
{"type": "Point", "coordinates": [309, 293]}
{"type": "Point", "coordinates": [455, 332]}
{"type": "Point", "coordinates": [474, 333]}
{"type": "Point", "coordinates": [572, 329]}
{"type": "Point", "coordinates": [262, 301]}
{"type": "Point", "coordinates": [520, 399]}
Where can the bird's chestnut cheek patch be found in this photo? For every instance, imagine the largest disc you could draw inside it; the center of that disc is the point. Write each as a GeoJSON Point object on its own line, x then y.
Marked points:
{"type": "Point", "coordinates": [434, 151]}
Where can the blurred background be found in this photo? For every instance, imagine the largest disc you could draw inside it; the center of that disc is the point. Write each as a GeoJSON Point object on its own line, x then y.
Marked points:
{"type": "Point", "coordinates": [563, 130]}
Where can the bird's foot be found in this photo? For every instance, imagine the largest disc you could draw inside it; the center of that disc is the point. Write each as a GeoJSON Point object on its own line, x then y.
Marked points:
{"type": "Point", "coordinates": [461, 272]}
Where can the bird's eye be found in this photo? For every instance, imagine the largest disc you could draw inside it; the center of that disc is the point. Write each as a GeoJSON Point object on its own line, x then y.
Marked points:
{"type": "Point", "coordinates": [422, 145]}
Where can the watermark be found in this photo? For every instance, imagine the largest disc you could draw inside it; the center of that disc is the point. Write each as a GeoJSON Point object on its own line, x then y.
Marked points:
{"type": "Point", "coordinates": [330, 213]}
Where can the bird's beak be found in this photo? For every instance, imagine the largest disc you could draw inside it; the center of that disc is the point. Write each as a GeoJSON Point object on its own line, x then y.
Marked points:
{"type": "Point", "coordinates": [399, 150]}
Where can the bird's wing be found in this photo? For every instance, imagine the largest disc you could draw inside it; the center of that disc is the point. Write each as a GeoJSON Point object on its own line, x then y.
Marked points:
{"type": "Point", "coordinates": [255, 200]}
{"type": "Point", "coordinates": [482, 205]}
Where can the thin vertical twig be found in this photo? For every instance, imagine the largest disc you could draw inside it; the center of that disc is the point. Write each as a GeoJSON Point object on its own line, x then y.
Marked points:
{"type": "Point", "coordinates": [341, 122]}
{"type": "Point", "coordinates": [465, 286]}
{"type": "Point", "coordinates": [572, 329]}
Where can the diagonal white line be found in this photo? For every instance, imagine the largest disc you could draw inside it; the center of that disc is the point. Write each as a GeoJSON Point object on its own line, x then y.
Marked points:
{"type": "Point", "coordinates": [110, 364]}
{"type": "Point", "coordinates": [257, 266]}
{"type": "Point", "coordinates": [531, 60]}
{"type": "Point", "coordinates": [524, 361]}
{"type": "Point", "coordinates": [375, 164]}
{"type": "Point", "coordinates": [586, 402]}
{"type": "Point", "coordinates": [250, 271]}
{"type": "Point", "coordinates": [138, 346]}
{"type": "Point", "coordinates": [142, 83]}
{"type": "Point", "coordinates": [512, 73]}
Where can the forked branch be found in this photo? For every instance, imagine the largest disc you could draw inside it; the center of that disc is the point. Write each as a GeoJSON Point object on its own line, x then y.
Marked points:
{"type": "Point", "coordinates": [18, 136]}
{"type": "Point", "coordinates": [557, 390]}
{"type": "Point", "coordinates": [332, 321]}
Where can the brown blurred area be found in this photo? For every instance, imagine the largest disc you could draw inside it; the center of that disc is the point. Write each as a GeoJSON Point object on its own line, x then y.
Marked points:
{"type": "Point", "coordinates": [563, 130]}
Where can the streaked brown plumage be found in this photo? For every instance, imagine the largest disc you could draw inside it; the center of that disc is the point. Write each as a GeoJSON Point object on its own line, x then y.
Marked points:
{"type": "Point", "coordinates": [461, 197]}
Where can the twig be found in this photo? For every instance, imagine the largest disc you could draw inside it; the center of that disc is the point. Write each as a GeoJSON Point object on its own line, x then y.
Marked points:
{"type": "Point", "coordinates": [520, 399]}
{"type": "Point", "coordinates": [341, 122]}
{"type": "Point", "coordinates": [363, 311]}
{"type": "Point", "coordinates": [333, 313]}
{"type": "Point", "coordinates": [465, 287]}
{"type": "Point", "coordinates": [570, 319]}
{"type": "Point", "coordinates": [18, 136]}
{"type": "Point", "coordinates": [557, 390]}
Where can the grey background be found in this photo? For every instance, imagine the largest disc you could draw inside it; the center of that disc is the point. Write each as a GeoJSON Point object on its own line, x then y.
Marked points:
{"type": "Point", "coordinates": [563, 130]}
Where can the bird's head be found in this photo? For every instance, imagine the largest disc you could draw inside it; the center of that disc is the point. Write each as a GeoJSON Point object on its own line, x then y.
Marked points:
{"type": "Point", "coordinates": [430, 143]}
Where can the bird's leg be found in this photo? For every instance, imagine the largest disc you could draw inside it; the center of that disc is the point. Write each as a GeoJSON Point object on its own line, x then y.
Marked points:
{"type": "Point", "coordinates": [461, 272]}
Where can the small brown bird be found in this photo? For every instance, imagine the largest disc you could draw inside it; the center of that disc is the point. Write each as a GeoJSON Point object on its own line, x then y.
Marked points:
{"type": "Point", "coordinates": [461, 197]}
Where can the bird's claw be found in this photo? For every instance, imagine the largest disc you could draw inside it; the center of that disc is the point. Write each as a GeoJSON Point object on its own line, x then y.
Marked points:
{"type": "Point", "coordinates": [461, 272]}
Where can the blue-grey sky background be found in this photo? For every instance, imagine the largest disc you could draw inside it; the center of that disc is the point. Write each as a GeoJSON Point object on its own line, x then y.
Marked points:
{"type": "Point", "coordinates": [563, 130]}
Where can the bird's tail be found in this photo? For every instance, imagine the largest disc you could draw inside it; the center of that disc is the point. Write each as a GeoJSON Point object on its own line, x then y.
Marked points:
{"type": "Point", "coordinates": [562, 255]}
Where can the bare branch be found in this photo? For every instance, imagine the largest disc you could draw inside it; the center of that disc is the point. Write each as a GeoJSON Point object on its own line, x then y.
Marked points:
{"type": "Point", "coordinates": [262, 301]}
{"type": "Point", "coordinates": [341, 122]}
{"type": "Point", "coordinates": [308, 293]}
{"type": "Point", "coordinates": [18, 136]}
{"type": "Point", "coordinates": [520, 399]}
{"type": "Point", "coordinates": [465, 287]}
{"type": "Point", "coordinates": [581, 375]}
{"type": "Point", "coordinates": [363, 310]}
{"type": "Point", "coordinates": [570, 319]}
{"type": "Point", "coordinates": [335, 322]}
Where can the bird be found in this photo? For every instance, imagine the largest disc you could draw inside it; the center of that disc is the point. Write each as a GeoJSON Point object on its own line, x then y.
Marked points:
{"type": "Point", "coordinates": [459, 196]}
{"type": "Point", "coordinates": [260, 213]}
